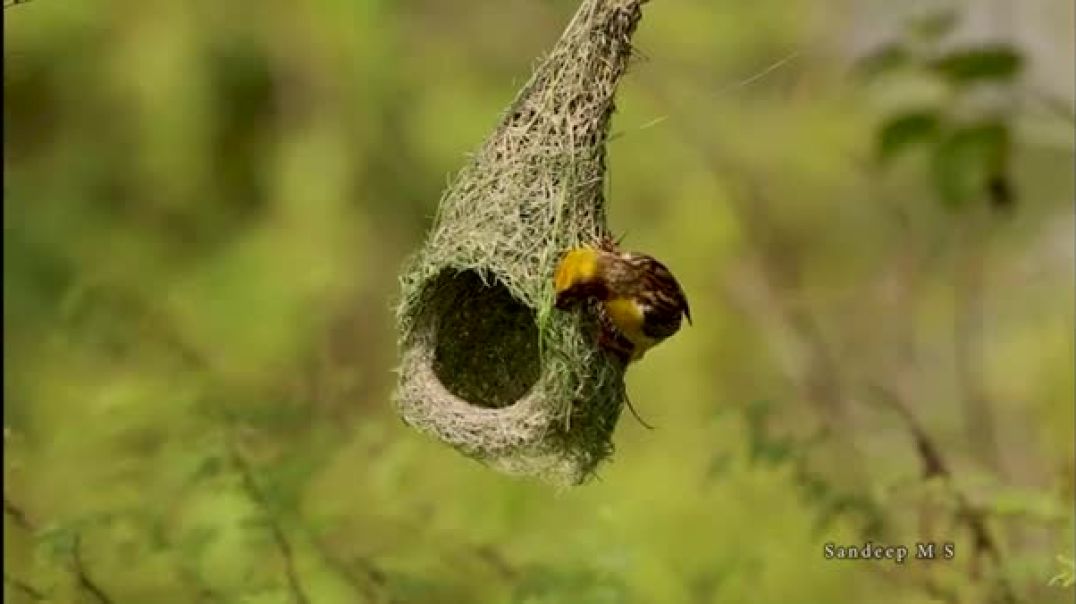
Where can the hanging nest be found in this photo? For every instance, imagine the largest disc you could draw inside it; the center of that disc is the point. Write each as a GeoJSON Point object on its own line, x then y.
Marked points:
{"type": "Point", "coordinates": [487, 365]}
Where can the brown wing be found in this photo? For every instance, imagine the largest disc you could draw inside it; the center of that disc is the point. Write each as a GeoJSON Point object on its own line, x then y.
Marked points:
{"type": "Point", "coordinates": [664, 301]}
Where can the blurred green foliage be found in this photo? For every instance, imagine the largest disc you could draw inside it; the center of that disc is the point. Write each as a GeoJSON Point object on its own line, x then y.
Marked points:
{"type": "Point", "coordinates": [969, 153]}
{"type": "Point", "coordinates": [205, 207]}
{"type": "Point", "coordinates": [1067, 576]}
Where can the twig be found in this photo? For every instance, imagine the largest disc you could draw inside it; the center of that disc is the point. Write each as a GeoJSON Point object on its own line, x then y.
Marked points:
{"type": "Point", "coordinates": [932, 460]}
{"type": "Point", "coordinates": [250, 485]}
{"type": "Point", "coordinates": [1060, 107]}
{"type": "Point", "coordinates": [491, 556]}
{"type": "Point", "coordinates": [968, 322]}
{"type": "Point", "coordinates": [374, 574]}
{"type": "Point", "coordinates": [935, 465]}
{"type": "Point", "coordinates": [372, 582]}
{"type": "Point", "coordinates": [191, 576]}
{"type": "Point", "coordinates": [929, 585]}
{"type": "Point", "coordinates": [78, 567]}
{"type": "Point", "coordinates": [821, 382]}
{"type": "Point", "coordinates": [17, 515]}
{"type": "Point", "coordinates": [25, 588]}
{"type": "Point", "coordinates": [83, 577]}
{"type": "Point", "coordinates": [780, 268]}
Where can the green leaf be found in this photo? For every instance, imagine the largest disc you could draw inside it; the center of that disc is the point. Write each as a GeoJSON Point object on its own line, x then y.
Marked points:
{"type": "Point", "coordinates": [885, 59]}
{"type": "Point", "coordinates": [906, 130]}
{"type": "Point", "coordinates": [965, 159]}
{"type": "Point", "coordinates": [57, 541]}
{"type": "Point", "coordinates": [968, 65]}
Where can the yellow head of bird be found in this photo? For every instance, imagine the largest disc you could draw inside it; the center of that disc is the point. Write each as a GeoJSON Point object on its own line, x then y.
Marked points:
{"type": "Point", "coordinates": [578, 277]}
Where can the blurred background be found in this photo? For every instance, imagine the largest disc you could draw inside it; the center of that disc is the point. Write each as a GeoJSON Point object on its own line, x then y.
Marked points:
{"type": "Point", "coordinates": [869, 204]}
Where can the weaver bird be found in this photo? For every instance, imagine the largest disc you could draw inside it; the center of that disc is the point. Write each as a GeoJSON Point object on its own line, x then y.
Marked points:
{"type": "Point", "coordinates": [640, 302]}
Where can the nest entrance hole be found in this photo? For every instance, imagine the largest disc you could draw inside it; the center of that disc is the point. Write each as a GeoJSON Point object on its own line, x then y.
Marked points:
{"type": "Point", "coordinates": [486, 341]}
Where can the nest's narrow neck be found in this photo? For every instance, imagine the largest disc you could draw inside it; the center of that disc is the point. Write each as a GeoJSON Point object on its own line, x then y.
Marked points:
{"type": "Point", "coordinates": [571, 92]}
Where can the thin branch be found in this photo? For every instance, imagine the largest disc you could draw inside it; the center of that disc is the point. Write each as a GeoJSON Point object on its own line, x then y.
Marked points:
{"type": "Point", "coordinates": [194, 360]}
{"type": "Point", "coordinates": [78, 567]}
{"type": "Point", "coordinates": [376, 577]}
{"type": "Point", "coordinates": [780, 268]}
{"type": "Point", "coordinates": [1061, 108]}
{"type": "Point", "coordinates": [372, 582]}
{"type": "Point", "coordinates": [929, 454]}
{"type": "Point", "coordinates": [25, 589]}
{"type": "Point", "coordinates": [932, 460]}
{"type": "Point", "coordinates": [935, 465]}
{"type": "Point", "coordinates": [203, 591]}
{"type": "Point", "coordinates": [250, 485]}
{"type": "Point", "coordinates": [968, 322]}
{"type": "Point", "coordinates": [84, 580]}
{"type": "Point", "coordinates": [496, 560]}
{"type": "Point", "coordinates": [17, 515]}
{"type": "Point", "coordinates": [922, 580]}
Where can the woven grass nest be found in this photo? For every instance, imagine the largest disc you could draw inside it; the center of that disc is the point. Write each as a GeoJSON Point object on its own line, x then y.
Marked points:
{"type": "Point", "coordinates": [487, 365]}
